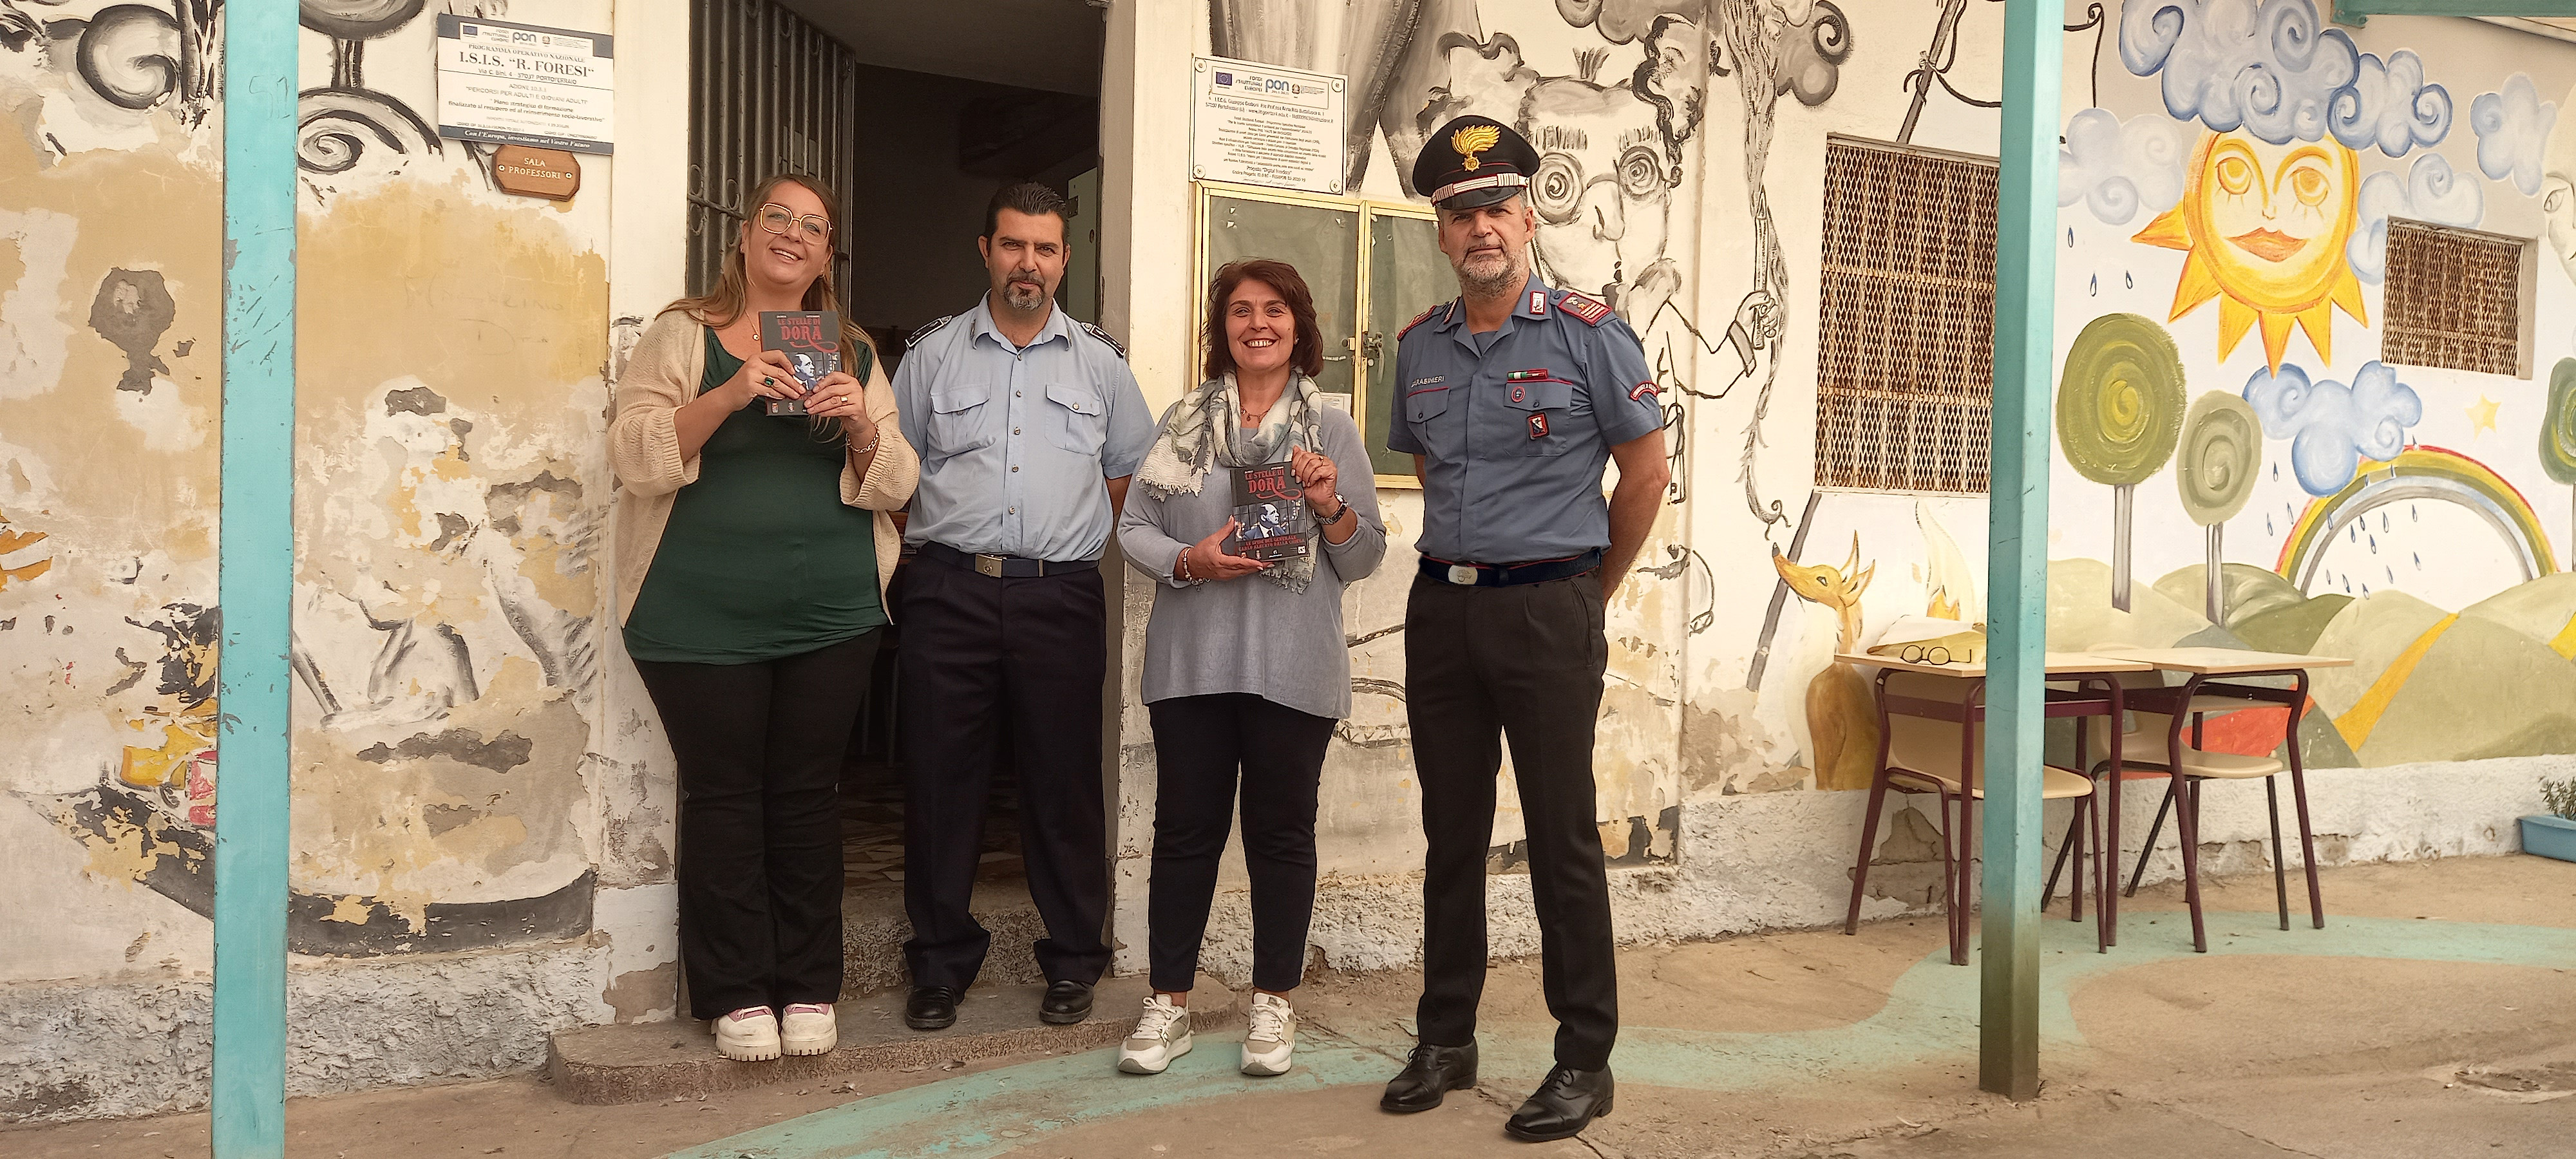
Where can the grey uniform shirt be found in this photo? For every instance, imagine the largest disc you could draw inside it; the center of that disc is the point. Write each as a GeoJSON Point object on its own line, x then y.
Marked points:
{"type": "Point", "coordinates": [1515, 427]}
{"type": "Point", "coordinates": [1249, 634]}
{"type": "Point", "coordinates": [1016, 441]}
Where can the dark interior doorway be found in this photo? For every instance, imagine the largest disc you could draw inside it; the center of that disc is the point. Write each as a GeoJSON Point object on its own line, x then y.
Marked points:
{"type": "Point", "coordinates": [915, 114]}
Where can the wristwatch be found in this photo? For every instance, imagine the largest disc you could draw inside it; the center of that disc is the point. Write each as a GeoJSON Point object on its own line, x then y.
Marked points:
{"type": "Point", "coordinates": [1341, 506]}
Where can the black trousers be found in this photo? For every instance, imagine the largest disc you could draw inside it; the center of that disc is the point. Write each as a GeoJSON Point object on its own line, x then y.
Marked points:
{"type": "Point", "coordinates": [1524, 662]}
{"type": "Point", "coordinates": [759, 747]}
{"type": "Point", "coordinates": [1200, 742]}
{"type": "Point", "coordinates": [984, 656]}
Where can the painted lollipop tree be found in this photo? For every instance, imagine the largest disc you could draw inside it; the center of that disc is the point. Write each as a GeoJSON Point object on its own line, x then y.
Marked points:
{"type": "Point", "coordinates": [2558, 433]}
{"type": "Point", "coordinates": [2119, 414]}
{"type": "Point", "coordinates": [2222, 448]}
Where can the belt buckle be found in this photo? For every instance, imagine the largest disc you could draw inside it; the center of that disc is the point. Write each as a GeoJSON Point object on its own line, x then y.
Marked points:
{"type": "Point", "coordinates": [1462, 575]}
{"type": "Point", "coordinates": [989, 565]}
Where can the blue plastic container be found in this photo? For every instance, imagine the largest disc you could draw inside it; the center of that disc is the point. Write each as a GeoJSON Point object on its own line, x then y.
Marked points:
{"type": "Point", "coordinates": [2549, 836]}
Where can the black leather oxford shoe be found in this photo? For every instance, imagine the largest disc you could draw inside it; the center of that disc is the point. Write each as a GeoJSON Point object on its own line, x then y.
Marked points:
{"type": "Point", "coordinates": [1430, 1074]}
{"type": "Point", "coordinates": [1065, 1003]}
{"type": "Point", "coordinates": [1562, 1106]}
{"type": "Point", "coordinates": [931, 1008]}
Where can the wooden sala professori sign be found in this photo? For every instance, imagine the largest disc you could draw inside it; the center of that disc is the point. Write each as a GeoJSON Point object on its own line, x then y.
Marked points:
{"type": "Point", "coordinates": [553, 174]}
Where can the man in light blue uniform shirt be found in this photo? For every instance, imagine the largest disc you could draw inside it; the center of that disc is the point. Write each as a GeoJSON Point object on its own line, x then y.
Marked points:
{"type": "Point", "coordinates": [1029, 425]}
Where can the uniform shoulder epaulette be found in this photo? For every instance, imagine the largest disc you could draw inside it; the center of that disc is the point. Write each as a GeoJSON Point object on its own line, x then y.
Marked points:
{"type": "Point", "coordinates": [1103, 335]}
{"type": "Point", "coordinates": [1421, 318]}
{"type": "Point", "coordinates": [1593, 311]}
{"type": "Point", "coordinates": [926, 331]}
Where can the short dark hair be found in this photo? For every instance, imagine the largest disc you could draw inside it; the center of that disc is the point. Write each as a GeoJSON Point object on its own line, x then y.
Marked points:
{"type": "Point", "coordinates": [1306, 355]}
{"type": "Point", "coordinates": [1027, 197]}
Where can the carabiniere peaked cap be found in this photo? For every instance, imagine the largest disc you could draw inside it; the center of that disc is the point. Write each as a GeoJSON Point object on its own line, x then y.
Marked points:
{"type": "Point", "coordinates": [1472, 162]}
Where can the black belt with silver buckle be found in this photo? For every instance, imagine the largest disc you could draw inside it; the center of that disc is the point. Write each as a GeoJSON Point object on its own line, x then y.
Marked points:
{"type": "Point", "coordinates": [1504, 575]}
{"type": "Point", "coordinates": [1010, 566]}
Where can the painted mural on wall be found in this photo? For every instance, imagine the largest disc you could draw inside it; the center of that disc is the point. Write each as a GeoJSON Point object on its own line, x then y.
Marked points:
{"type": "Point", "coordinates": [445, 652]}
{"type": "Point", "coordinates": [2371, 510]}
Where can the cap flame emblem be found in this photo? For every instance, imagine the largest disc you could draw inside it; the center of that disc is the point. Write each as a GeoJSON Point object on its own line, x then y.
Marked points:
{"type": "Point", "coordinates": [1472, 140]}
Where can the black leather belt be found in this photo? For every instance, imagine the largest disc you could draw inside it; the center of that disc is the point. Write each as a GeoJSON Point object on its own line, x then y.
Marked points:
{"type": "Point", "coordinates": [1011, 566]}
{"type": "Point", "coordinates": [1503, 575]}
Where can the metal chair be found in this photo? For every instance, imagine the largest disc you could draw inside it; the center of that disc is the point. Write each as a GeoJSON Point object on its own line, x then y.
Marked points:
{"type": "Point", "coordinates": [1923, 755]}
{"type": "Point", "coordinates": [2153, 745]}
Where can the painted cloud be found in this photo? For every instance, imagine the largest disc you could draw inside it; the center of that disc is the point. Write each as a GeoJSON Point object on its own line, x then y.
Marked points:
{"type": "Point", "coordinates": [2332, 427]}
{"type": "Point", "coordinates": [2272, 69]}
{"type": "Point", "coordinates": [2513, 132]}
{"type": "Point", "coordinates": [2116, 169]}
{"type": "Point", "coordinates": [2431, 191]}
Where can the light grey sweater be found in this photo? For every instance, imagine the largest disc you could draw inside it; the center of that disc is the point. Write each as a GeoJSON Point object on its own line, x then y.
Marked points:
{"type": "Point", "coordinates": [1251, 635]}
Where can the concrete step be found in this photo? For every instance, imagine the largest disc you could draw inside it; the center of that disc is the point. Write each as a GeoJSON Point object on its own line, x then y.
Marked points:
{"type": "Point", "coordinates": [645, 1062]}
{"type": "Point", "coordinates": [873, 930]}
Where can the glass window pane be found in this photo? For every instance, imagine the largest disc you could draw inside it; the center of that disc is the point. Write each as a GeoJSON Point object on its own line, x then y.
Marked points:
{"type": "Point", "coordinates": [1324, 246]}
{"type": "Point", "coordinates": [1407, 275]}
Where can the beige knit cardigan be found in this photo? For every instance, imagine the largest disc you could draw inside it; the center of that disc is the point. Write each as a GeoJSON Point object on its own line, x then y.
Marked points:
{"type": "Point", "coordinates": [644, 451]}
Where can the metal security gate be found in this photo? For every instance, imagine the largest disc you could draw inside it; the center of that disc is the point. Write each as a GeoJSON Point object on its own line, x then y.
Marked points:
{"type": "Point", "coordinates": [768, 92]}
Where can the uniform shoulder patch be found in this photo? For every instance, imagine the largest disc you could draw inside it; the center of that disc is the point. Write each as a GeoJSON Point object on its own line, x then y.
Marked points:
{"type": "Point", "coordinates": [933, 328]}
{"type": "Point", "coordinates": [1103, 335]}
{"type": "Point", "coordinates": [1593, 311]}
{"type": "Point", "coordinates": [1421, 318]}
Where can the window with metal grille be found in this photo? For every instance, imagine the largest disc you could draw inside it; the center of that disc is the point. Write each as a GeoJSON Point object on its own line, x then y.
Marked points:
{"type": "Point", "coordinates": [1905, 367]}
{"type": "Point", "coordinates": [768, 93]}
{"type": "Point", "coordinates": [2457, 298]}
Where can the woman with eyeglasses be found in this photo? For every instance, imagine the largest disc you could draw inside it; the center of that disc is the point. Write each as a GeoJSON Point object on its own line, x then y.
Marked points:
{"type": "Point", "coordinates": [753, 552]}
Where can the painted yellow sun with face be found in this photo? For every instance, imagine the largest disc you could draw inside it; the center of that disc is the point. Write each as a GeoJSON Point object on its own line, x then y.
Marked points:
{"type": "Point", "coordinates": [2266, 225]}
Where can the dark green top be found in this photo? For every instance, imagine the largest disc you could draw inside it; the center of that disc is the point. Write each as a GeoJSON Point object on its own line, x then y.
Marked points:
{"type": "Point", "coordinates": [760, 559]}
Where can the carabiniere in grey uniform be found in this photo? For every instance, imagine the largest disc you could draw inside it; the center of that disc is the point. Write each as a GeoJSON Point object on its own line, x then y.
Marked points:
{"type": "Point", "coordinates": [1514, 398]}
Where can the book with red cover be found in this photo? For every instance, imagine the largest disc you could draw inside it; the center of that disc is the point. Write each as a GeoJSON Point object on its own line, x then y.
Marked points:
{"type": "Point", "coordinates": [811, 340]}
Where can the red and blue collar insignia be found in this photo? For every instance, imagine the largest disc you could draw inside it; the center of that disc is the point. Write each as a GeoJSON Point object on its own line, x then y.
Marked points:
{"type": "Point", "coordinates": [1592, 311]}
{"type": "Point", "coordinates": [1537, 304]}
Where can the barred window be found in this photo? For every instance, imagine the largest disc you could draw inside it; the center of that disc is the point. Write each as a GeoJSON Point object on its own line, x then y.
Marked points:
{"type": "Point", "coordinates": [2457, 298]}
{"type": "Point", "coordinates": [1905, 366]}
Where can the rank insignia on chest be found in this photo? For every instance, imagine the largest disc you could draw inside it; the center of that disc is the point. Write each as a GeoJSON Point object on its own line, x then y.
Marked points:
{"type": "Point", "coordinates": [1525, 376]}
{"type": "Point", "coordinates": [1538, 424]}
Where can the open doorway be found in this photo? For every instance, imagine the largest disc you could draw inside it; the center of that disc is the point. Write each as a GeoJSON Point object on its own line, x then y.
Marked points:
{"type": "Point", "coordinates": [915, 115]}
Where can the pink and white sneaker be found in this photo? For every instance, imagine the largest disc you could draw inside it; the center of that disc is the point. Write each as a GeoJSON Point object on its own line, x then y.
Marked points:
{"type": "Point", "coordinates": [748, 1035]}
{"type": "Point", "coordinates": [808, 1028]}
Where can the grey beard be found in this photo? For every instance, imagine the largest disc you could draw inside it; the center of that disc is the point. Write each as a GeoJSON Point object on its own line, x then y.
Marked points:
{"type": "Point", "coordinates": [1011, 292]}
{"type": "Point", "coordinates": [1514, 275]}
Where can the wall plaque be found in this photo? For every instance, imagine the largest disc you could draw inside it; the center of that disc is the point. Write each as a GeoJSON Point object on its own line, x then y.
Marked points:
{"type": "Point", "coordinates": [528, 171]}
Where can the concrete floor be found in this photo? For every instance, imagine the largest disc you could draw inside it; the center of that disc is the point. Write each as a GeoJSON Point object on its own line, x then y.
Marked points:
{"type": "Point", "coordinates": [2435, 1016]}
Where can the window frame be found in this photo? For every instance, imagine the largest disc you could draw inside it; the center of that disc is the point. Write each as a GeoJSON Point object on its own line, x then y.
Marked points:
{"type": "Point", "coordinates": [1202, 200]}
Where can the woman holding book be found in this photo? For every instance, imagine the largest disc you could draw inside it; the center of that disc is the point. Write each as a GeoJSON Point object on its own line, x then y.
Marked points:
{"type": "Point", "coordinates": [1245, 670]}
{"type": "Point", "coordinates": [753, 548]}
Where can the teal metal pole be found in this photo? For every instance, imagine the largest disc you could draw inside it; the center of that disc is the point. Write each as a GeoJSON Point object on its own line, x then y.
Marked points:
{"type": "Point", "coordinates": [2017, 545]}
{"type": "Point", "coordinates": [256, 568]}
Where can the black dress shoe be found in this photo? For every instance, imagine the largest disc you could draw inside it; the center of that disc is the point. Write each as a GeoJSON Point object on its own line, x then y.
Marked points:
{"type": "Point", "coordinates": [1562, 1106]}
{"type": "Point", "coordinates": [931, 1008]}
{"type": "Point", "coordinates": [1431, 1073]}
{"type": "Point", "coordinates": [1065, 1003]}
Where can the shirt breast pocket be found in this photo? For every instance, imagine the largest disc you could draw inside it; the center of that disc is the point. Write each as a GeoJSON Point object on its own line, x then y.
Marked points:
{"type": "Point", "coordinates": [960, 419]}
{"type": "Point", "coordinates": [1426, 411]}
{"type": "Point", "coordinates": [1076, 420]}
{"type": "Point", "coordinates": [1538, 418]}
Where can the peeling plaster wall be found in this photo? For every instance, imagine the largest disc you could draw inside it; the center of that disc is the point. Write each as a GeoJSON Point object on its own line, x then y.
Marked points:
{"type": "Point", "coordinates": [480, 827]}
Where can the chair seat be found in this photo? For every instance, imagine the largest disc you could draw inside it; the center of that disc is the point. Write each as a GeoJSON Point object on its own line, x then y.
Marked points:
{"type": "Point", "coordinates": [2145, 747]}
{"type": "Point", "coordinates": [2055, 783]}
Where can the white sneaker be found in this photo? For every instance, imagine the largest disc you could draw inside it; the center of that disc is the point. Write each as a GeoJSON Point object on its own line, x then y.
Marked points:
{"type": "Point", "coordinates": [808, 1029]}
{"type": "Point", "coordinates": [1273, 1036]}
{"type": "Point", "coordinates": [748, 1035]}
{"type": "Point", "coordinates": [1162, 1034]}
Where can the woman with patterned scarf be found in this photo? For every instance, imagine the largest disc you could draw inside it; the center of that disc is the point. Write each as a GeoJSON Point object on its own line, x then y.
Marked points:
{"type": "Point", "coordinates": [1245, 669]}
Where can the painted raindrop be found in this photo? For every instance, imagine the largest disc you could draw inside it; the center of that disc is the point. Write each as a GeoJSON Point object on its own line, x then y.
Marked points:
{"type": "Point", "coordinates": [2096, 288]}
{"type": "Point", "coordinates": [2128, 279]}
